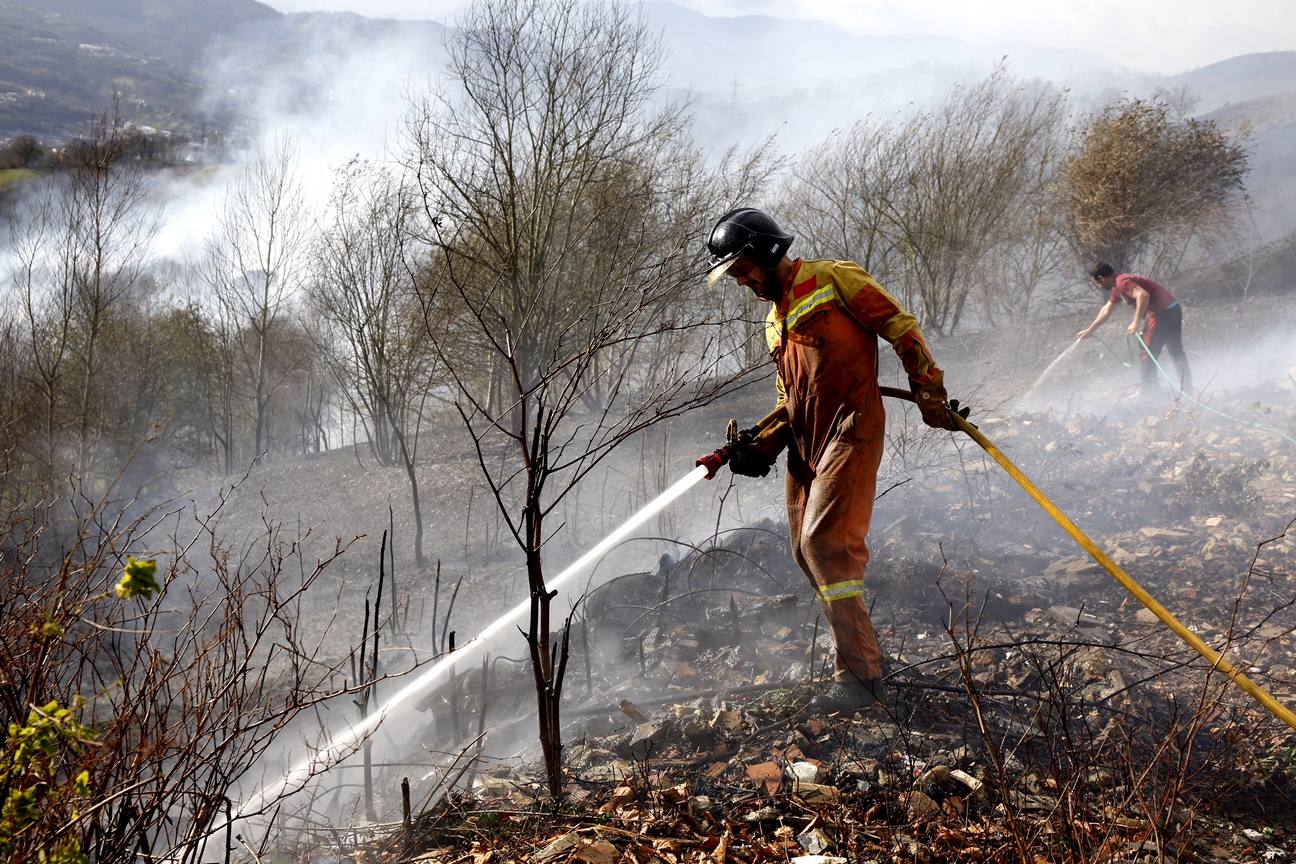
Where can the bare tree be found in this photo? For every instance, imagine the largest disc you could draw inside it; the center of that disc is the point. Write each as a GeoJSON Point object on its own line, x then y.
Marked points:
{"type": "Point", "coordinates": [43, 287]}
{"type": "Point", "coordinates": [922, 204]}
{"type": "Point", "coordinates": [107, 224]}
{"type": "Point", "coordinates": [80, 251]}
{"type": "Point", "coordinates": [373, 336]}
{"type": "Point", "coordinates": [1143, 183]}
{"type": "Point", "coordinates": [16, 397]}
{"type": "Point", "coordinates": [1035, 253]}
{"type": "Point", "coordinates": [210, 327]}
{"type": "Point", "coordinates": [255, 267]}
{"type": "Point", "coordinates": [842, 195]}
{"type": "Point", "coordinates": [565, 239]}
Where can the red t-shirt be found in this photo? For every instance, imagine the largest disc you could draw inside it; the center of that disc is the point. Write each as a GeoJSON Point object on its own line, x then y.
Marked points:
{"type": "Point", "coordinates": [1159, 298]}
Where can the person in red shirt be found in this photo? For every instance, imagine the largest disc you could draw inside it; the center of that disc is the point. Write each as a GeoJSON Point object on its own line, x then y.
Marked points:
{"type": "Point", "coordinates": [1158, 318]}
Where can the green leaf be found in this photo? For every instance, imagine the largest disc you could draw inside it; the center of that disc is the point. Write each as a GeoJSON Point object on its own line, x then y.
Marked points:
{"type": "Point", "coordinates": [138, 580]}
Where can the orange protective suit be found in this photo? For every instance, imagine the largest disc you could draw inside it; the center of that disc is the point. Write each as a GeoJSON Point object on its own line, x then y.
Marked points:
{"type": "Point", "coordinates": [823, 336]}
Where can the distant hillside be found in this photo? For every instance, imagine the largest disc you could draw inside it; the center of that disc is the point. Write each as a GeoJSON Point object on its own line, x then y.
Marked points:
{"type": "Point", "coordinates": [179, 64]}
{"type": "Point", "coordinates": [1239, 79]}
{"type": "Point", "coordinates": [1269, 270]}
{"type": "Point", "coordinates": [57, 72]}
{"type": "Point", "coordinates": [715, 53]}
{"type": "Point", "coordinates": [177, 31]}
{"type": "Point", "coordinates": [319, 63]}
{"type": "Point", "coordinates": [1258, 114]}
{"type": "Point", "coordinates": [184, 63]}
{"type": "Point", "coordinates": [1271, 124]}
{"type": "Point", "coordinates": [753, 75]}
{"type": "Point", "coordinates": [750, 54]}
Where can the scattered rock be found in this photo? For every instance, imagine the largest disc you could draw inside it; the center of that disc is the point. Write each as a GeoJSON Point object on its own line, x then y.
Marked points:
{"type": "Point", "coordinates": [919, 806]}
{"type": "Point", "coordinates": [813, 840]}
{"type": "Point", "coordinates": [596, 852]}
{"type": "Point", "coordinates": [803, 772]}
{"type": "Point", "coordinates": [768, 776]}
{"type": "Point", "coordinates": [647, 738]}
{"type": "Point", "coordinates": [628, 708]}
{"type": "Point", "coordinates": [935, 780]}
{"type": "Point", "coordinates": [727, 721]}
{"type": "Point", "coordinates": [815, 793]}
{"type": "Point", "coordinates": [557, 846]}
{"type": "Point", "coordinates": [700, 806]}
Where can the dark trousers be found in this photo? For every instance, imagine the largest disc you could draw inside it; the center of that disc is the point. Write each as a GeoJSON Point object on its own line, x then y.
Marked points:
{"type": "Point", "coordinates": [1164, 329]}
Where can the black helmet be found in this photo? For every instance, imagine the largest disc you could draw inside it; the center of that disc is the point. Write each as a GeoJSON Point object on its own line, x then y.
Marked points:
{"type": "Point", "coordinates": [750, 232]}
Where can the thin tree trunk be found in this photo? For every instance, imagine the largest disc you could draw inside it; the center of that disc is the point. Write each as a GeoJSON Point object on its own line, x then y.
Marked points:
{"type": "Point", "coordinates": [414, 496]}
{"type": "Point", "coordinates": [548, 662]}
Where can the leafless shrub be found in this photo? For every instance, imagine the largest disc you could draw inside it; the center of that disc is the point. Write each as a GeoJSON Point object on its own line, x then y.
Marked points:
{"type": "Point", "coordinates": [186, 692]}
{"type": "Point", "coordinates": [1102, 765]}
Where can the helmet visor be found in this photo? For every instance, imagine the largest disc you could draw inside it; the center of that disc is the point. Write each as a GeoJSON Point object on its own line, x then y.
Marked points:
{"type": "Point", "coordinates": [719, 271]}
{"type": "Point", "coordinates": [735, 265]}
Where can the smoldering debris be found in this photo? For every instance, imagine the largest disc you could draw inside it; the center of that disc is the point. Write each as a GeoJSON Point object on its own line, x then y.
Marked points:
{"type": "Point", "coordinates": [1034, 702]}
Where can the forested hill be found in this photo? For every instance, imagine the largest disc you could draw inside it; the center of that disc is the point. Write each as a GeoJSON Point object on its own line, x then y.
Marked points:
{"type": "Point", "coordinates": [177, 31]}
{"type": "Point", "coordinates": [176, 64]}
{"type": "Point", "coordinates": [62, 60]}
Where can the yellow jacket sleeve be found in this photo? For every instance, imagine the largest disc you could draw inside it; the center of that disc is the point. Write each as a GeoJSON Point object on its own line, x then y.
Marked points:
{"type": "Point", "coordinates": [877, 310]}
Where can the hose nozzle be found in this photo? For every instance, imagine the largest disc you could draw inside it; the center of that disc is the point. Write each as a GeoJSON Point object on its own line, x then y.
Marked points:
{"type": "Point", "coordinates": [714, 461]}
{"type": "Point", "coordinates": [719, 457]}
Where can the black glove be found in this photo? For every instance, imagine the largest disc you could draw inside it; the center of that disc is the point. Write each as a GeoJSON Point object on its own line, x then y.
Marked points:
{"type": "Point", "coordinates": [746, 457]}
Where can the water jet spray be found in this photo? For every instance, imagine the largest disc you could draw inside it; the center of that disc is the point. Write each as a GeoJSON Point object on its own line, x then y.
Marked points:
{"type": "Point", "coordinates": [1048, 370]}
{"type": "Point", "coordinates": [346, 742]}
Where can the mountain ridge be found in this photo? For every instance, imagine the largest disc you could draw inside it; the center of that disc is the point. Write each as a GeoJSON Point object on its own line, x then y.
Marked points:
{"type": "Point", "coordinates": [183, 63]}
{"type": "Point", "coordinates": [1243, 78]}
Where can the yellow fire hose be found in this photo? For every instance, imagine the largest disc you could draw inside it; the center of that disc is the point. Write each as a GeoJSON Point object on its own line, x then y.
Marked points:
{"type": "Point", "coordinates": [1278, 709]}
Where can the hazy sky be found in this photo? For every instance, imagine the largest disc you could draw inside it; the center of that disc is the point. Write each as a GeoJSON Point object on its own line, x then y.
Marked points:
{"type": "Point", "coordinates": [1155, 35]}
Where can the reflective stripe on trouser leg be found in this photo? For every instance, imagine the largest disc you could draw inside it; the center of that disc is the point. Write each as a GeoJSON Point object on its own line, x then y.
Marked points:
{"type": "Point", "coordinates": [828, 520]}
{"type": "Point", "coordinates": [841, 591]}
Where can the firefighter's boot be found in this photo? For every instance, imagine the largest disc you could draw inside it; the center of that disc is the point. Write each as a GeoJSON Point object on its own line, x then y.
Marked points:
{"type": "Point", "coordinates": [850, 696]}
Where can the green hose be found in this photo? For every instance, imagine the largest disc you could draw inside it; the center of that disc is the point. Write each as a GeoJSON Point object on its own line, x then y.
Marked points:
{"type": "Point", "coordinates": [1128, 351]}
{"type": "Point", "coordinates": [1179, 391]}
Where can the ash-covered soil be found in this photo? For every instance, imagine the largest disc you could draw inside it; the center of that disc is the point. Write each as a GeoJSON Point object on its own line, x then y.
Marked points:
{"type": "Point", "coordinates": [1107, 459]}
{"type": "Point", "coordinates": [1039, 712]}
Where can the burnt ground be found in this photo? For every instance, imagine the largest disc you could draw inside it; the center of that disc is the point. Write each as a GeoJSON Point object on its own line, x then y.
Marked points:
{"type": "Point", "coordinates": [1039, 713]}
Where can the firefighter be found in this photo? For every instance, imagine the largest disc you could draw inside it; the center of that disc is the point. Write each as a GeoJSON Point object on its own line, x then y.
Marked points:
{"type": "Point", "coordinates": [1158, 320]}
{"type": "Point", "coordinates": [822, 328]}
